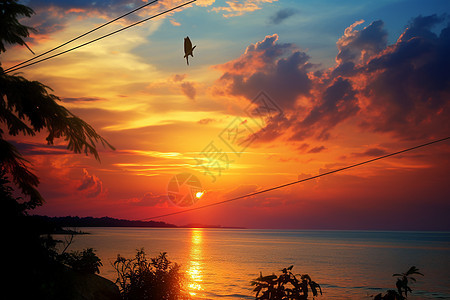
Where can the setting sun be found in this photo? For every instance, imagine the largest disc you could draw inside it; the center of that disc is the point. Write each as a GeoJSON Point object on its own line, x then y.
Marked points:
{"type": "Point", "coordinates": [198, 195]}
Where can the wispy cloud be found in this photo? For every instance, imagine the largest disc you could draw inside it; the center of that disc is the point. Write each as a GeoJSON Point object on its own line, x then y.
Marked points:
{"type": "Point", "coordinates": [283, 14]}
{"type": "Point", "coordinates": [371, 152]}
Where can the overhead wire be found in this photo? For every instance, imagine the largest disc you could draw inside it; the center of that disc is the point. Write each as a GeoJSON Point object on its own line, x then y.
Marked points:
{"type": "Point", "coordinates": [99, 38]}
{"type": "Point", "coordinates": [81, 35]}
{"type": "Point", "coordinates": [295, 182]}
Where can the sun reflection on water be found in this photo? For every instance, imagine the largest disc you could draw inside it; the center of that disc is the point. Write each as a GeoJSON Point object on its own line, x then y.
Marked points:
{"type": "Point", "coordinates": [195, 263]}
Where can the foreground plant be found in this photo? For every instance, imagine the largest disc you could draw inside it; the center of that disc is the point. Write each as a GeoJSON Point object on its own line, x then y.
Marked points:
{"type": "Point", "coordinates": [286, 286]}
{"type": "Point", "coordinates": [158, 278]}
{"type": "Point", "coordinates": [401, 284]}
{"type": "Point", "coordinates": [86, 261]}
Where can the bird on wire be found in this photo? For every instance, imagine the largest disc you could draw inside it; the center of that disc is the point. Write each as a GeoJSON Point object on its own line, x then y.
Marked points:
{"type": "Point", "coordinates": [188, 49]}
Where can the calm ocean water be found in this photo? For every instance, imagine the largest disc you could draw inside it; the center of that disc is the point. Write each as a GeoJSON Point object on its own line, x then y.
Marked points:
{"type": "Point", "coordinates": [220, 263]}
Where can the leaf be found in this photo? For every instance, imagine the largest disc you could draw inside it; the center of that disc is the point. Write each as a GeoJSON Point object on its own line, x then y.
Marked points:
{"type": "Point", "coordinates": [413, 270]}
{"type": "Point", "coordinates": [269, 277]}
{"type": "Point", "coordinates": [290, 268]}
{"type": "Point", "coordinates": [257, 289]}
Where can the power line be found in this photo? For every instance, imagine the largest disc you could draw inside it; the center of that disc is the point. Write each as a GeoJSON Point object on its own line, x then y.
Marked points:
{"type": "Point", "coordinates": [80, 36]}
{"type": "Point", "coordinates": [99, 38]}
{"type": "Point", "coordinates": [295, 182]}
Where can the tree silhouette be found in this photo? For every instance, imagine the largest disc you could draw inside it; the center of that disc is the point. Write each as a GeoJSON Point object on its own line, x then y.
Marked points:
{"type": "Point", "coordinates": [403, 280]}
{"type": "Point", "coordinates": [401, 284]}
{"type": "Point", "coordinates": [11, 31]}
{"type": "Point", "coordinates": [27, 107]}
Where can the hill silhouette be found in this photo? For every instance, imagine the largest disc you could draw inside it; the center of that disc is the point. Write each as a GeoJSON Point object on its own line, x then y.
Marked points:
{"type": "Point", "coordinates": [56, 224]}
{"type": "Point", "coordinates": [74, 221]}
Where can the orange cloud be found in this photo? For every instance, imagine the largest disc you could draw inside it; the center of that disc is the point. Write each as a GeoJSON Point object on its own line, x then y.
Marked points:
{"type": "Point", "coordinates": [91, 186]}
{"type": "Point", "coordinates": [240, 7]}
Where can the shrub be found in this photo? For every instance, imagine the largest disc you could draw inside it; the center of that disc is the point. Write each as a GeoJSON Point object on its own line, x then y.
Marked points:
{"type": "Point", "coordinates": [158, 278]}
{"type": "Point", "coordinates": [286, 286]}
{"type": "Point", "coordinates": [86, 262]}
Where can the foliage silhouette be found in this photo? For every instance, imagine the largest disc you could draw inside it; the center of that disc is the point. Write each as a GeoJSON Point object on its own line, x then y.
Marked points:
{"type": "Point", "coordinates": [401, 284]}
{"type": "Point", "coordinates": [27, 107]}
{"type": "Point", "coordinates": [158, 278]}
{"type": "Point", "coordinates": [86, 262]}
{"type": "Point", "coordinates": [286, 286]}
{"type": "Point", "coordinates": [11, 31]}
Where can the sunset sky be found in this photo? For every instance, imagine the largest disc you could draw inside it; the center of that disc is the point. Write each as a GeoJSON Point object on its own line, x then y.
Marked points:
{"type": "Point", "coordinates": [353, 80]}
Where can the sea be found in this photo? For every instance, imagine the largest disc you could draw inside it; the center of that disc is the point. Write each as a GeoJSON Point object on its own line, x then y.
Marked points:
{"type": "Point", "coordinates": [221, 263]}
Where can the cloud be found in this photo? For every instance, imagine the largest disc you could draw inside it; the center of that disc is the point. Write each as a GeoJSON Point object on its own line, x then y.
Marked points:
{"type": "Point", "coordinates": [378, 87]}
{"type": "Point", "coordinates": [360, 45]}
{"type": "Point", "coordinates": [205, 3]}
{"type": "Point", "coordinates": [174, 23]}
{"type": "Point", "coordinates": [81, 99]}
{"type": "Point", "coordinates": [188, 89]}
{"type": "Point", "coordinates": [408, 84]}
{"type": "Point", "coordinates": [240, 7]}
{"type": "Point", "coordinates": [280, 69]}
{"type": "Point", "coordinates": [178, 77]}
{"type": "Point", "coordinates": [282, 15]}
{"type": "Point", "coordinates": [371, 152]}
{"type": "Point", "coordinates": [241, 190]}
{"type": "Point", "coordinates": [317, 149]}
{"type": "Point", "coordinates": [206, 121]}
{"type": "Point", "coordinates": [27, 149]}
{"type": "Point", "coordinates": [337, 103]}
{"type": "Point", "coordinates": [91, 186]}
{"type": "Point", "coordinates": [55, 15]}
{"type": "Point", "coordinates": [152, 200]}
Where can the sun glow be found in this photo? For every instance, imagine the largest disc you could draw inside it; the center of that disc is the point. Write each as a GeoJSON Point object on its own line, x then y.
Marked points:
{"type": "Point", "coordinates": [198, 195]}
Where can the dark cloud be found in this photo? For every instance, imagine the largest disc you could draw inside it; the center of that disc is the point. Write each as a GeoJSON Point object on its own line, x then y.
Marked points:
{"type": "Point", "coordinates": [402, 89]}
{"type": "Point", "coordinates": [303, 147]}
{"type": "Point", "coordinates": [337, 103]}
{"type": "Point", "coordinates": [82, 99]}
{"type": "Point", "coordinates": [282, 15]}
{"type": "Point", "coordinates": [422, 26]}
{"type": "Point", "coordinates": [359, 45]}
{"type": "Point", "coordinates": [371, 152]}
{"type": "Point", "coordinates": [274, 128]}
{"type": "Point", "coordinates": [280, 70]}
{"type": "Point", "coordinates": [317, 149]}
{"type": "Point", "coordinates": [409, 83]}
{"type": "Point", "coordinates": [40, 149]}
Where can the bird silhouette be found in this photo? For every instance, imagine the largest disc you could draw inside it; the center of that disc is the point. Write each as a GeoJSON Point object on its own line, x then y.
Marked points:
{"type": "Point", "coordinates": [188, 49]}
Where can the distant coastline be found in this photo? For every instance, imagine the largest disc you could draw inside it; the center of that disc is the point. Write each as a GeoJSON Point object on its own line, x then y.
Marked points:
{"type": "Point", "coordinates": [74, 222]}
